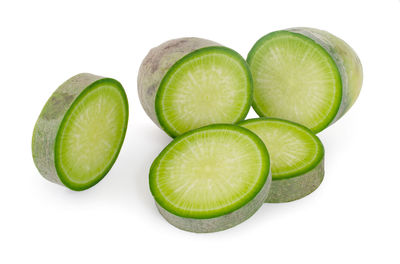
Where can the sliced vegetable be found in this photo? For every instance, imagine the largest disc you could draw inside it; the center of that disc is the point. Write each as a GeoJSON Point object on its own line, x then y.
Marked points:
{"type": "Point", "coordinates": [80, 131]}
{"type": "Point", "coordinates": [305, 75]}
{"type": "Point", "coordinates": [297, 157]}
{"type": "Point", "coordinates": [188, 83]}
{"type": "Point", "coordinates": [211, 178]}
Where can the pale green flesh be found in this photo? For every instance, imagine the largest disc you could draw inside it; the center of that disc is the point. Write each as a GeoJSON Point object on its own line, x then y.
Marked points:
{"type": "Point", "coordinates": [295, 79]}
{"type": "Point", "coordinates": [91, 135]}
{"type": "Point", "coordinates": [206, 89]}
{"type": "Point", "coordinates": [291, 148]}
{"type": "Point", "coordinates": [209, 172]}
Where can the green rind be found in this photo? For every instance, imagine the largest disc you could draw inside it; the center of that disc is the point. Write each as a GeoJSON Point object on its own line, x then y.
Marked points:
{"type": "Point", "coordinates": [222, 222]}
{"type": "Point", "coordinates": [50, 119]}
{"type": "Point", "coordinates": [305, 169]}
{"type": "Point", "coordinates": [157, 63]}
{"type": "Point", "coordinates": [217, 222]}
{"type": "Point", "coordinates": [347, 61]}
{"type": "Point", "coordinates": [345, 58]}
{"type": "Point", "coordinates": [338, 99]}
{"type": "Point", "coordinates": [299, 184]}
{"type": "Point", "coordinates": [163, 123]}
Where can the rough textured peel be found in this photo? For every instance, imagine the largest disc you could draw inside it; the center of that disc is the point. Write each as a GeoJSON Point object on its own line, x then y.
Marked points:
{"type": "Point", "coordinates": [291, 189]}
{"type": "Point", "coordinates": [346, 59]}
{"type": "Point", "coordinates": [187, 83]}
{"type": "Point", "coordinates": [219, 223]}
{"type": "Point", "coordinates": [52, 120]}
{"type": "Point", "coordinates": [157, 63]}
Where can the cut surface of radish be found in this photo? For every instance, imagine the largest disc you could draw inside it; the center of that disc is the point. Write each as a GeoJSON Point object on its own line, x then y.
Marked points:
{"type": "Point", "coordinates": [211, 178]}
{"type": "Point", "coordinates": [304, 75]}
{"type": "Point", "coordinates": [80, 131]}
{"type": "Point", "coordinates": [204, 84]}
{"type": "Point", "coordinates": [297, 157]}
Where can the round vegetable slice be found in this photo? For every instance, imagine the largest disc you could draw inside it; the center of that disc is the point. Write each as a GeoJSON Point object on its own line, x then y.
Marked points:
{"type": "Point", "coordinates": [211, 178]}
{"type": "Point", "coordinates": [305, 75]}
{"type": "Point", "coordinates": [80, 131]}
{"type": "Point", "coordinates": [297, 157]}
{"type": "Point", "coordinates": [188, 83]}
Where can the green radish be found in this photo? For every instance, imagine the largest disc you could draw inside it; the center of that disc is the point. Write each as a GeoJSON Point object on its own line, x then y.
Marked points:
{"type": "Point", "coordinates": [305, 75]}
{"type": "Point", "coordinates": [80, 131]}
{"type": "Point", "coordinates": [188, 83]}
{"type": "Point", "coordinates": [297, 157]}
{"type": "Point", "coordinates": [211, 178]}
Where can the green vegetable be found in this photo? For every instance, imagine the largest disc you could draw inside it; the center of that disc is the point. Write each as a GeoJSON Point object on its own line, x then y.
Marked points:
{"type": "Point", "coordinates": [297, 157]}
{"type": "Point", "coordinates": [211, 178]}
{"type": "Point", "coordinates": [188, 83]}
{"type": "Point", "coordinates": [80, 131]}
{"type": "Point", "coordinates": [305, 75]}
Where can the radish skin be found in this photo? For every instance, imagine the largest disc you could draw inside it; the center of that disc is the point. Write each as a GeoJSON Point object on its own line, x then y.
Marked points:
{"type": "Point", "coordinates": [346, 59]}
{"type": "Point", "coordinates": [157, 63]}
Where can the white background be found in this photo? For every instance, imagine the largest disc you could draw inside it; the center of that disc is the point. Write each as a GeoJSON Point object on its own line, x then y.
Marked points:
{"type": "Point", "coordinates": [352, 218]}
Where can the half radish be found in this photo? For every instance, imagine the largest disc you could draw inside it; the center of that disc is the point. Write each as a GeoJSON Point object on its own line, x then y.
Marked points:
{"type": "Point", "coordinates": [188, 83]}
{"type": "Point", "coordinates": [80, 131]}
{"type": "Point", "coordinates": [211, 178]}
{"type": "Point", "coordinates": [297, 157]}
{"type": "Point", "coordinates": [305, 75]}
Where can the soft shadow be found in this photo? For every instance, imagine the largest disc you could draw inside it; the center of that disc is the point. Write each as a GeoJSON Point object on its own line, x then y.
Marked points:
{"type": "Point", "coordinates": [127, 182]}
